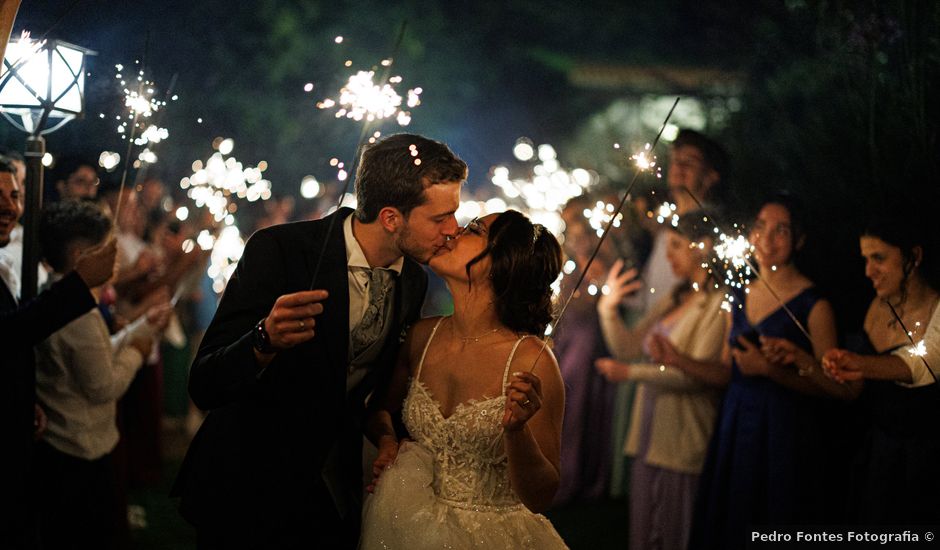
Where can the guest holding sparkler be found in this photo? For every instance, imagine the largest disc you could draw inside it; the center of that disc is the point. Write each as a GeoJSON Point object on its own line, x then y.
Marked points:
{"type": "Point", "coordinates": [697, 165]}
{"type": "Point", "coordinates": [673, 412]}
{"type": "Point", "coordinates": [761, 466]}
{"type": "Point", "coordinates": [81, 373]}
{"type": "Point", "coordinates": [896, 484]}
{"type": "Point", "coordinates": [589, 399]}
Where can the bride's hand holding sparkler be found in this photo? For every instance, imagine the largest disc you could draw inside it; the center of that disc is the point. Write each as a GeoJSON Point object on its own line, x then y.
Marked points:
{"type": "Point", "coordinates": [619, 284]}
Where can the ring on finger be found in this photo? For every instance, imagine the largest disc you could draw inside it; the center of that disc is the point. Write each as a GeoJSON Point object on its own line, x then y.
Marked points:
{"type": "Point", "coordinates": [526, 403]}
{"type": "Point", "coordinates": [302, 325]}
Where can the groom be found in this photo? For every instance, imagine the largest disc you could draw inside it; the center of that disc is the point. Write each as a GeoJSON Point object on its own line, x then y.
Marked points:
{"type": "Point", "coordinates": [285, 371]}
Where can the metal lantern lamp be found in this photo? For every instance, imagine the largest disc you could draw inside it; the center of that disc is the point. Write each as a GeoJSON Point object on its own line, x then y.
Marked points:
{"type": "Point", "coordinates": [42, 87]}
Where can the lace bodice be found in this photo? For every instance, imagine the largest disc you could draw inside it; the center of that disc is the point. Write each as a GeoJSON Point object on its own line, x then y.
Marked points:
{"type": "Point", "coordinates": [470, 464]}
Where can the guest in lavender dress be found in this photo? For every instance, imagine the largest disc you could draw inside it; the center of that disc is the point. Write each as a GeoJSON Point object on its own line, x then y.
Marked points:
{"type": "Point", "coordinates": [587, 430]}
{"type": "Point", "coordinates": [673, 413]}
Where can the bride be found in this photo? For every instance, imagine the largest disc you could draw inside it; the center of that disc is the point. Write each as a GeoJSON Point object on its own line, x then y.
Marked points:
{"type": "Point", "coordinates": [482, 458]}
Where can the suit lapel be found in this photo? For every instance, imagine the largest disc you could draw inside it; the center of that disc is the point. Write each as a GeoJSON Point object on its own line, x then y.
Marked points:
{"type": "Point", "coordinates": [334, 278]}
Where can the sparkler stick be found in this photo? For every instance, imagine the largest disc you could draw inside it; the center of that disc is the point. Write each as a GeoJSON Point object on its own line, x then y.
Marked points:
{"type": "Point", "coordinates": [747, 261]}
{"type": "Point", "coordinates": [352, 171]}
{"type": "Point", "coordinates": [916, 349]}
{"type": "Point", "coordinates": [603, 236]}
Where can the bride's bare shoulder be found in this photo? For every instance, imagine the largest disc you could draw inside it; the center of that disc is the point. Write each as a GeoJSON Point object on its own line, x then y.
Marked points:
{"type": "Point", "coordinates": [418, 334]}
{"type": "Point", "coordinates": [533, 352]}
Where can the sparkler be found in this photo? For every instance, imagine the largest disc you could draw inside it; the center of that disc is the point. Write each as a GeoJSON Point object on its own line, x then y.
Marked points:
{"type": "Point", "coordinates": [917, 349]}
{"type": "Point", "coordinates": [641, 168]}
{"type": "Point", "coordinates": [362, 99]}
{"type": "Point", "coordinates": [739, 252]}
{"type": "Point", "coordinates": [730, 258]}
{"type": "Point", "coordinates": [666, 211]}
{"type": "Point", "coordinates": [215, 185]}
{"type": "Point", "coordinates": [140, 103]}
{"type": "Point", "coordinates": [541, 196]}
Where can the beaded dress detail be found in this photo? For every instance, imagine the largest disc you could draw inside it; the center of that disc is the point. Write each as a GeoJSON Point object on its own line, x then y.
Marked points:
{"type": "Point", "coordinates": [450, 488]}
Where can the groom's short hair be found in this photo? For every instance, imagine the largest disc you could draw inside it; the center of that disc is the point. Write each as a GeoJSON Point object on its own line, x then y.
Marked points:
{"type": "Point", "coordinates": [396, 170]}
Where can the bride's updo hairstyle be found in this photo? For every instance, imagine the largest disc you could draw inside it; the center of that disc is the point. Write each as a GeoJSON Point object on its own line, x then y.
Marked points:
{"type": "Point", "coordinates": [525, 260]}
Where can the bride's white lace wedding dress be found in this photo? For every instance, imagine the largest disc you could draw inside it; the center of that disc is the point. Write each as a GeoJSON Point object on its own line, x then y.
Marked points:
{"type": "Point", "coordinates": [449, 488]}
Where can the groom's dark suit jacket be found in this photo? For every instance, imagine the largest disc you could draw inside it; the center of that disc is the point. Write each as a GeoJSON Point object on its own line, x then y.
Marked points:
{"type": "Point", "coordinates": [277, 462]}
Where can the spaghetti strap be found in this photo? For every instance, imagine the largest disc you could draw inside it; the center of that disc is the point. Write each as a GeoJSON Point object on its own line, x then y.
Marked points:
{"type": "Point", "coordinates": [426, 345]}
{"type": "Point", "coordinates": [509, 361]}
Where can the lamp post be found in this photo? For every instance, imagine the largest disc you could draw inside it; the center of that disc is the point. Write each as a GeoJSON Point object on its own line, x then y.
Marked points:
{"type": "Point", "coordinates": [43, 85]}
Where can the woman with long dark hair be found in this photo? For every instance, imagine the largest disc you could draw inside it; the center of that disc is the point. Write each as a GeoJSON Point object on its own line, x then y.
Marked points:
{"type": "Point", "coordinates": [485, 427]}
{"type": "Point", "coordinates": [895, 484]}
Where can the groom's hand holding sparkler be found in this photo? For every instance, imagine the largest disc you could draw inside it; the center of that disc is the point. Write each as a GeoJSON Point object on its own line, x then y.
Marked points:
{"type": "Point", "coordinates": [291, 322]}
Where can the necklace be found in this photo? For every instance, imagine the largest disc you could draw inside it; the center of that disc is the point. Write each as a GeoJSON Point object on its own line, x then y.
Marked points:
{"type": "Point", "coordinates": [475, 339]}
{"type": "Point", "coordinates": [472, 339]}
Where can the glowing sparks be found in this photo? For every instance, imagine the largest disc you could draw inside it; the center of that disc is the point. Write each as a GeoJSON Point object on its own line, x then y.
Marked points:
{"type": "Point", "coordinates": [227, 249]}
{"type": "Point", "coordinates": [734, 250]}
{"type": "Point", "coordinates": [215, 185]}
{"type": "Point", "coordinates": [147, 156]}
{"type": "Point", "coordinates": [644, 160]}
{"type": "Point", "coordinates": [666, 213]}
{"type": "Point", "coordinates": [733, 259]}
{"type": "Point", "coordinates": [361, 98]}
{"type": "Point", "coordinates": [139, 94]}
{"type": "Point", "coordinates": [109, 160]}
{"type": "Point", "coordinates": [309, 187]}
{"type": "Point", "coordinates": [153, 134]}
{"type": "Point", "coordinates": [602, 214]}
{"type": "Point", "coordinates": [544, 191]}
{"type": "Point", "coordinates": [918, 350]}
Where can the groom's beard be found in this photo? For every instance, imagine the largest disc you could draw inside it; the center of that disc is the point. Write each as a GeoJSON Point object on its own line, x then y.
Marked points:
{"type": "Point", "coordinates": [415, 249]}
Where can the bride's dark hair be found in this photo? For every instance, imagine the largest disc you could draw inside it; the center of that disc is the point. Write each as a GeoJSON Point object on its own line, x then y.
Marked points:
{"type": "Point", "coordinates": [525, 259]}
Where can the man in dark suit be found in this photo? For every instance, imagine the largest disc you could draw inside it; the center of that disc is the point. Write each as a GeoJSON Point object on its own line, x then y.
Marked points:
{"type": "Point", "coordinates": [285, 371]}
{"type": "Point", "coordinates": [22, 326]}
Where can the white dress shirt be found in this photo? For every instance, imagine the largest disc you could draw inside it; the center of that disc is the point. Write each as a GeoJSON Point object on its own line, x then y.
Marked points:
{"type": "Point", "coordinates": [920, 376]}
{"type": "Point", "coordinates": [81, 372]}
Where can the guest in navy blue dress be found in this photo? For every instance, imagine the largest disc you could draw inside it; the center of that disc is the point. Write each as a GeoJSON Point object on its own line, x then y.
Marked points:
{"type": "Point", "coordinates": [896, 482]}
{"type": "Point", "coordinates": [763, 466]}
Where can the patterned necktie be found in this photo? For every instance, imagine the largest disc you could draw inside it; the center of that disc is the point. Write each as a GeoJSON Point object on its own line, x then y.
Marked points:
{"type": "Point", "coordinates": [370, 327]}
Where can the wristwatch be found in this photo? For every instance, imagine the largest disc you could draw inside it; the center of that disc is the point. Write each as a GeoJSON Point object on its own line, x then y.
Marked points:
{"type": "Point", "coordinates": [260, 340]}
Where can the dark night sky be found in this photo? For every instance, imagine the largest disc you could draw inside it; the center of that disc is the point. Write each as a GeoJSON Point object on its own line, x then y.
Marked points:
{"type": "Point", "coordinates": [491, 71]}
{"type": "Point", "coordinates": [836, 99]}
